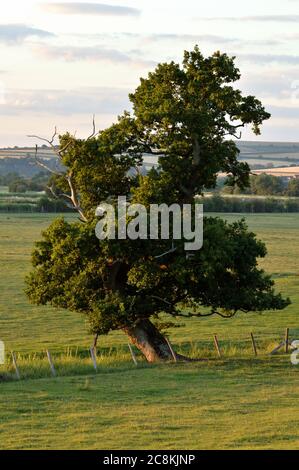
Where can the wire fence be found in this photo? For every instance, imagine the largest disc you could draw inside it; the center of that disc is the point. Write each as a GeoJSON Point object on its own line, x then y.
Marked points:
{"type": "Point", "coordinates": [81, 361]}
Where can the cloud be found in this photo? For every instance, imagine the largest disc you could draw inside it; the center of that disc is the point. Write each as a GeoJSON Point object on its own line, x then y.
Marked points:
{"type": "Point", "coordinates": [91, 100]}
{"type": "Point", "coordinates": [211, 38]}
{"type": "Point", "coordinates": [76, 8]}
{"type": "Point", "coordinates": [141, 42]}
{"type": "Point", "coordinates": [284, 112]}
{"type": "Point", "coordinates": [17, 33]}
{"type": "Point", "coordinates": [261, 18]}
{"type": "Point", "coordinates": [271, 84]}
{"type": "Point", "coordinates": [89, 53]}
{"type": "Point", "coordinates": [263, 59]}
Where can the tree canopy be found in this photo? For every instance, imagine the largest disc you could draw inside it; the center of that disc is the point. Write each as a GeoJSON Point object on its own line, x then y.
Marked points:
{"type": "Point", "coordinates": [188, 116]}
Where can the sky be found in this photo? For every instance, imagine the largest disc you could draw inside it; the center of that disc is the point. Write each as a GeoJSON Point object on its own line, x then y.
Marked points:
{"type": "Point", "coordinates": [62, 62]}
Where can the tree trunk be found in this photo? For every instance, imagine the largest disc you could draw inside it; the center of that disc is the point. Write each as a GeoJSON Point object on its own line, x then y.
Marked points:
{"type": "Point", "coordinates": [148, 339]}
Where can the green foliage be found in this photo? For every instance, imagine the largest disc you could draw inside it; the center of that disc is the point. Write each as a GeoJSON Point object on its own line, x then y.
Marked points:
{"type": "Point", "coordinates": [293, 188]}
{"type": "Point", "coordinates": [146, 390]}
{"type": "Point", "coordinates": [260, 185]}
{"type": "Point", "coordinates": [187, 112]}
{"type": "Point", "coordinates": [183, 114]}
{"type": "Point", "coordinates": [263, 185]}
{"type": "Point", "coordinates": [100, 165]}
{"type": "Point", "coordinates": [71, 271]}
{"type": "Point", "coordinates": [267, 185]}
{"type": "Point", "coordinates": [18, 184]}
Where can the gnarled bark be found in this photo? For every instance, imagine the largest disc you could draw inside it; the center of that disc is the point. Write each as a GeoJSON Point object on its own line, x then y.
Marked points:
{"type": "Point", "coordinates": [148, 339]}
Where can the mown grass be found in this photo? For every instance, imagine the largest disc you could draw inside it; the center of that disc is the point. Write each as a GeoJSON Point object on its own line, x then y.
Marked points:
{"type": "Point", "coordinates": [238, 401]}
{"type": "Point", "coordinates": [230, 404]}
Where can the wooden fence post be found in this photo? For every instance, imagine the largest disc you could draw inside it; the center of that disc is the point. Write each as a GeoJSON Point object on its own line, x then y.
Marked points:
{"type": "Point", "coordinates": [287, 340]}
{"type": "Point", "coordinates": [94, 359]}
{"type": "Point", "coordinates": [133, 355]}
{"type": "Point", "coordinates": [171, 350]}
{"type": "Point", "coordinates": [217, 345]}
{"type": "Point", "coordinates": [14, 361]}
{"type": "Point", "coordinates": [253, 344]}
{"type": "Point", "coordinates": [51, 363]}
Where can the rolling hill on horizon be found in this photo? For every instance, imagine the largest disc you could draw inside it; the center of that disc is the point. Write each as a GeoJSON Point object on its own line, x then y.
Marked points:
{"type": "Point", "coordinates": [259, 155]}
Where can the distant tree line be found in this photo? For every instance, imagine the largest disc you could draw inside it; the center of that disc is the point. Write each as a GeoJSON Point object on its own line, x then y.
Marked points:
{"type": "Point", "coordinates": [218, 203]}
{"type": "Point", "coordinates": [20, 184]}
{"type": "Point", "coordinates": [265, 185]}
{"type": "Point", "coordinates": [260, 185]}
{"type": "Point", "coordinates": [43, 204]}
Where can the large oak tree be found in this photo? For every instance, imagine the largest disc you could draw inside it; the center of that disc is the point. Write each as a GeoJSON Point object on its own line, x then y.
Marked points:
{"type": "Point", "coordinates": [189, 116]}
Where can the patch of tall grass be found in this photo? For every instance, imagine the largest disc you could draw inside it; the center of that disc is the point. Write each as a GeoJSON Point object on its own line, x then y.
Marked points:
{"type": "Point", "coordinates": [76, 362]}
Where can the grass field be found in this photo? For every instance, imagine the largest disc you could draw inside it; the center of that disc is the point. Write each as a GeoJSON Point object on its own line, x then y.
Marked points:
{"type": "Point", "coordinates": [235, 402]}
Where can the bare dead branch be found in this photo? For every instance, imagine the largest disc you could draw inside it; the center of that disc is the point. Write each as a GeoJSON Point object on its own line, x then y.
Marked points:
{"type": "Point", "coordinates": [233, 134]}
{"type": "Point", "coordinates": [43, 165]}
{"type": "Point", "coordinates": [58, 151]}
{"type": "Point", "coordinates": [172, 250]}
{"type": "Point", "coordinates": [93, 128]}
{"type": "Point", "coordinates": [61, 151]}
{"type": "Point", "coordinates": [58, 196]}
{"type": "Point", "coordinates": [54, 135]}
{"type": "Point", "coordinates": [49, 142]}
{"type": "Point", "coordinates": [74, 197]}
{"type": "Point", "coordinates": [51, 189]}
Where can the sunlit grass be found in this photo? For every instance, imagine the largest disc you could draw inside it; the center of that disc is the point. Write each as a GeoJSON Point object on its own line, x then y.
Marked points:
{"type": "Point", "coordinates": [238, 401]}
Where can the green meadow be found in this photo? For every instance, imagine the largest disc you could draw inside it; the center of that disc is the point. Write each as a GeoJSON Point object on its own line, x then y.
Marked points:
{"type": "Point", "coordinates": [238, 401]}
